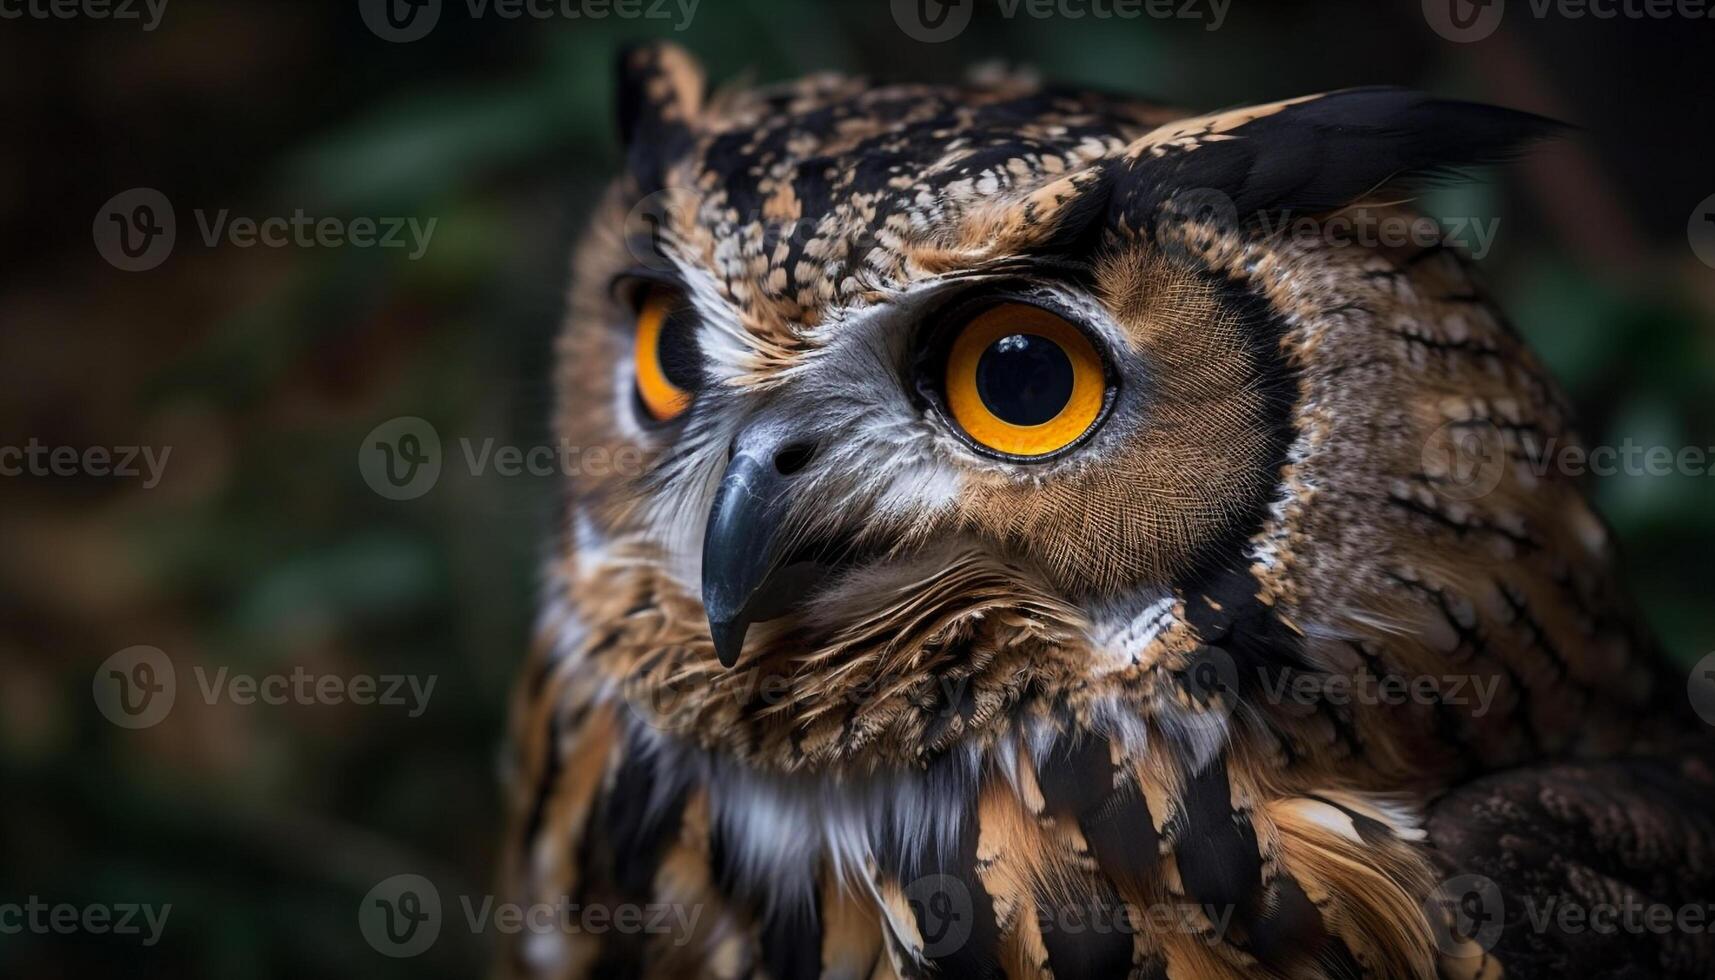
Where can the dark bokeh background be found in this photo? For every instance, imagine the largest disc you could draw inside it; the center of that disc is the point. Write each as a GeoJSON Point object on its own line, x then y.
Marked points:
{"type": "Point", "coordinates": [264, 549]}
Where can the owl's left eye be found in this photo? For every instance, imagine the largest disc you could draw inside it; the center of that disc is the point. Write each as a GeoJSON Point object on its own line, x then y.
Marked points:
{"type": "Point", "coordinates": [666, 354]}
{"type": "Point", "coordinates": [1022, 382]}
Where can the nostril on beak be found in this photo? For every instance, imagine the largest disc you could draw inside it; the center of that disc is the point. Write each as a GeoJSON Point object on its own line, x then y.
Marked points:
{"type": "Point", "coordinates": [790, 459]}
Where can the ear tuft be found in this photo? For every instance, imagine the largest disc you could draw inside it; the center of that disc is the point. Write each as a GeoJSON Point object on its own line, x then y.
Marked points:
{"type": "Point", "coordinates": [1317, 153]}
{"type": "Point", "coordinates": [660, 94]}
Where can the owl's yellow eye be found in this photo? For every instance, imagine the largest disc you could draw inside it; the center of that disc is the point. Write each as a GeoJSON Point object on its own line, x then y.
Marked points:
{"type": "Point", "coordinates": [666, 355]}
{"type": "Point", "coordinates": [1022, 381]}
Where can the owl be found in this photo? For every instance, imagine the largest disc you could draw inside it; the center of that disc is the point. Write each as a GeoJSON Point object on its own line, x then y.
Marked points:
{"type": "Point", "coordinates": [1039, 542]}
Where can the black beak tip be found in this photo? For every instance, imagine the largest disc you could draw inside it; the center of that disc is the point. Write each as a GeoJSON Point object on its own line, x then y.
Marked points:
{"type": "Point", "coordinates": [729, 639]}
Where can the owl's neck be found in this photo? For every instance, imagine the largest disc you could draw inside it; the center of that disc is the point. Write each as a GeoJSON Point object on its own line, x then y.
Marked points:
{"type": "Point", "coordinates": [1184, 820]}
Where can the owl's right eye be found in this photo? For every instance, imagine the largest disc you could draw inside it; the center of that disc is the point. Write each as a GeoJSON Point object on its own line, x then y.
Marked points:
{"type": "Point", "coordinates": [1021, 382]}
{"type": "Point", "coordinates": [669, 368]}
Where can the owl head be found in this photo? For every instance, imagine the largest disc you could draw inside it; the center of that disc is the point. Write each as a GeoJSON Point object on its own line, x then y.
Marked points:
{"type": "Point", "coordinates": [954, 405]}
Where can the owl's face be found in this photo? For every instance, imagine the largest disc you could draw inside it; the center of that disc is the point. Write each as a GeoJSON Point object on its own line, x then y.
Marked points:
{"type": "Point", "coordinates": [956, 401]}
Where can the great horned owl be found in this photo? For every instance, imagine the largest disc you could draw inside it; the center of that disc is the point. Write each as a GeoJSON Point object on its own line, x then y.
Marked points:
{"type": "Point", "coordinates": [1038, 562]}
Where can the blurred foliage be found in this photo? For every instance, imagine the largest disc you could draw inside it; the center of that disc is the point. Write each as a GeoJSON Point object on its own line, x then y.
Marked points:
{"type": "Point", "coordinates": [263, 827]}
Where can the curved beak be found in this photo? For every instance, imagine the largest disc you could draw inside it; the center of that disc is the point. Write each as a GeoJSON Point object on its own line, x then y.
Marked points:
{"type": "Point", "coordinates": [748, 575]}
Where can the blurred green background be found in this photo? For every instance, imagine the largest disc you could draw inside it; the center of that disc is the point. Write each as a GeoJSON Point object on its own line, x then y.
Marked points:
{"type": "Point", "coordinates": [263, 549]}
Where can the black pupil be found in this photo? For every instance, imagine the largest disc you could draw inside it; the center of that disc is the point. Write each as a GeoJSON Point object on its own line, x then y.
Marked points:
{"type": "Point", "coordinates": [1024, 379]}
{"type": "Point", "coordinates": [677, 352]}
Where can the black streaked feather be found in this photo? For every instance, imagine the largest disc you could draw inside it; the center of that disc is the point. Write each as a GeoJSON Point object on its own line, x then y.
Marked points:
{"type": "Point", "coordinates": [1325, 153]}
{"type": "Point", "coordinates": [1076, 776]}
{"type": "Point", "coordinates": [1090, 940]}
{"type": "Point", "coordinates": [1565, 841]}
{"type": "Point", "coordinates": [1121, 835]}
{"type": "Point", "coordinates": [1216, 848]}
{"type": "Point", "coordinates": [650, 139]}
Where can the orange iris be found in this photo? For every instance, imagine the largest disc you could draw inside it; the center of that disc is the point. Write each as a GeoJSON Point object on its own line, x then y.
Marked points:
{"type": "Point", "coordinates": [1023, 381]}
{"type": "Point", "coordinates": [664, 399]}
